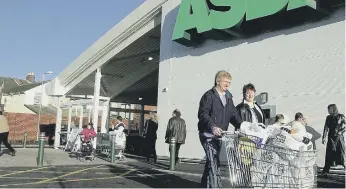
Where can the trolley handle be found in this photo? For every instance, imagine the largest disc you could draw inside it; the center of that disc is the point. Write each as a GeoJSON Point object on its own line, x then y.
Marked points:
{"type": "Point", "coordinates": [227, 133]}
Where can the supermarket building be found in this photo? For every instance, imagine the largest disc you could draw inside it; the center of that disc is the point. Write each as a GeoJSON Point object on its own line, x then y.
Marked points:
{"type": "Point", "coordinates": [166, 53]}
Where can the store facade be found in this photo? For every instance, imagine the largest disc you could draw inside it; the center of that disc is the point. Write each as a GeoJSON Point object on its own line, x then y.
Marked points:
{"type": "Point", "coordinates": [299, 65]}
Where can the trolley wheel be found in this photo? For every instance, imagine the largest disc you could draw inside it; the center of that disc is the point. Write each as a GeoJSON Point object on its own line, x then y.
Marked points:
{"type": "Point", "coordinates": [82, 158]}
{"type": "Point", "coordinates": [90, 158]}
{"type": "Point", "coordinates": [121, 158]}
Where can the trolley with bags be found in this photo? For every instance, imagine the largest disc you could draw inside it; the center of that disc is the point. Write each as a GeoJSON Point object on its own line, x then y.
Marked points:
{"type": "Point", "coordinates": [120, 144]}
{"type": "Point", "coordinates": [254, 164]}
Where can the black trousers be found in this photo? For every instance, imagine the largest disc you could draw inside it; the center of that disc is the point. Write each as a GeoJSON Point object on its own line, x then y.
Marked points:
{"type": "Point", "coordinates": [4, 139]}
{"type": "Point", "coordinates": [334, 157]}
{"type": "Point", "coordinates": [211, 176]}
{"type": "Point", "coordinates": [177, 148]}
{"type": "Point", "coordinates": [151, 149]}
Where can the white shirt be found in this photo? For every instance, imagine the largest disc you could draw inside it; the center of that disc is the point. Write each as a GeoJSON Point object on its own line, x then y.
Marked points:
{"type": "Point", "coordinates": [120, 126]}
{"type": "Point", "coordinates": [253, 114]}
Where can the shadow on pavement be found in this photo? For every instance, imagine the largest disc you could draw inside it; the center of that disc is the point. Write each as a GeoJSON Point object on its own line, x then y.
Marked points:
{"type": "Point", "coordinates": [60, 183]}
{"type": "Point", "coordinates": [157, 179]}
{"type": "Point", "coordinates": [4, 151]}
{"type": "Point", "coordinates": [331, 182]}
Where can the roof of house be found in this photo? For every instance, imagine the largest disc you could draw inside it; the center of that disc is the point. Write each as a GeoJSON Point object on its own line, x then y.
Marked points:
{"type": "Point", "coordinates": [14, 85]}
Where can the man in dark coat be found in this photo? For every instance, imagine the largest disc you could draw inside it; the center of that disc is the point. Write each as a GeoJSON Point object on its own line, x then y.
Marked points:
{"type": "Point", "coordinates": [176, 128]}
{"type": "Point", "coordinates": [151, 127]}
{"type": "Point", "coordinates": [216, 111]}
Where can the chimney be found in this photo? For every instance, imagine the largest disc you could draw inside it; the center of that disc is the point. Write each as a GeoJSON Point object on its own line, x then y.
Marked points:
{"type": "Point", "coordinates": [30, 77]}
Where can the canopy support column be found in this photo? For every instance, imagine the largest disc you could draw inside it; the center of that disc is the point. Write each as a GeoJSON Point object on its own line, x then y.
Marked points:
{"type": "Point", "coordinates": [105, 115]}
{"type": "Point", "coordinates": [96, 102]}
{"type": "Point", "coordinates": [57, 125]}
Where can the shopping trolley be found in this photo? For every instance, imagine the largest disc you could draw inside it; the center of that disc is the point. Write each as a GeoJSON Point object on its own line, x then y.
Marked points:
{"type": "Point", "coordinates": [255, 165]}
{"type": "Point", "coordinates": [86, 149]}
{"type": "Point", "coordinates": [120, 144]}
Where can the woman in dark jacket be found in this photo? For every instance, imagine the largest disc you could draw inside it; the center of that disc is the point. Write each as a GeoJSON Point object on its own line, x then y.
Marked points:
{"type": "Point", "coordinates": [151, 136]}
{"type": "Point", "coordinates": [249, 110]}
{"type": "Point", "coordinates": [334, 128]}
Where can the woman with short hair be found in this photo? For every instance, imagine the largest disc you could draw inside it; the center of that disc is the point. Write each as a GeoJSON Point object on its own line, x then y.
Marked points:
{"type": "Point", "coordinates": [249, 110]}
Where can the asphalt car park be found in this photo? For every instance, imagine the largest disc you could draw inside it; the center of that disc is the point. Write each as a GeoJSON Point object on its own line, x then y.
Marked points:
{"type": "Point", "coordinates": [104, 176]}
{"type": "Point", "coordinates": [119, 175]}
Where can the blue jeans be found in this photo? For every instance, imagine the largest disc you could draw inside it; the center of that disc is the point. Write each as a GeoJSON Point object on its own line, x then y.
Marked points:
{"type": "Point", "coordinates": [211, 176]}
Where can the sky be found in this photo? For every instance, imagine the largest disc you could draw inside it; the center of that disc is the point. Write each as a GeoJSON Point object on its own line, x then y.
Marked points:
{"type": "Point", "coordinates": [41, 35]}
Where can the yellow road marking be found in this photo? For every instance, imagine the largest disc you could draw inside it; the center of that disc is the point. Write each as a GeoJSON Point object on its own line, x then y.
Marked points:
{"type": "Point", "coordinates": [71, 180]}
{"type": "Point", "coordinates": [103, 178]}
{"type": "Point", "coordinates": [25, 171]}
{"type": "Point", "coordinates": [68, 174]}
{"type": "Point", "coordinates": [24, 178]}
{"type": "Point", "coordinates": [62, 172]}
{"type": "Point", "coordinates": [83, 179]}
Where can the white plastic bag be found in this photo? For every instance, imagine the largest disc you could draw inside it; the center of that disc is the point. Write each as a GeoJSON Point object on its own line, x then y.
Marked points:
{"type": "Point", "coordinates": [256, 130]}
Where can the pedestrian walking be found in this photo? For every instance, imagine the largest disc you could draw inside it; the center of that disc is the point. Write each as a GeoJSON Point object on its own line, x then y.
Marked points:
{"type": "Point", "coordinates": [150, 135]}
{"type": "Point", "coordinates": [216, 111]}
{"type": "Point", "coordinates": [4, 132]}
{"type": "Point", "coordinates": [334, 129]}
{"type": "Point", "coordinates": [249, 110]}
{"type": "Point", "coordinates": [176, 128]}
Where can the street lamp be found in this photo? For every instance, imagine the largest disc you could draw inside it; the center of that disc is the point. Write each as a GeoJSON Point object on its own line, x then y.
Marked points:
{"type": "Point", "coordinates": [39, 111]}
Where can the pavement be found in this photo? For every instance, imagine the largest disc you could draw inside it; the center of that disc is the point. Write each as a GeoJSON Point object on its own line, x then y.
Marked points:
{"type": "Point", "coordinates": [63, 170]}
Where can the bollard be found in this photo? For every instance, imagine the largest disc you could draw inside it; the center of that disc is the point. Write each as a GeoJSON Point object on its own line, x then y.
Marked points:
{"type": "Point", "coordinates": [40, 149]}
{"type": "Point", "coordinates": [112, 148]}
{"type": "Point", "coordinates": [25, 139]}
{"type": "Point", "coordinates": [172, 154]}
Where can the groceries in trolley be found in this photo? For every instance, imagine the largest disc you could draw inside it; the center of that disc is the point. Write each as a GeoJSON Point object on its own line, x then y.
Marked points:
{"type": "Point", "coordinates": [270, 157]}
{"type": "Point", "coordinates": [120, 140]}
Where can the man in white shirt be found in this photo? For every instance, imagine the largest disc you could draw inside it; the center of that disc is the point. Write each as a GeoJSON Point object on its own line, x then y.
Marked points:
{"type": "Point", "coordinates": [120, 127]}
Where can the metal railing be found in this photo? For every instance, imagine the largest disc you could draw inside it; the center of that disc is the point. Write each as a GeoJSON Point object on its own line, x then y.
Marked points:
{"type": "Point", "coordinates": [103, 144]}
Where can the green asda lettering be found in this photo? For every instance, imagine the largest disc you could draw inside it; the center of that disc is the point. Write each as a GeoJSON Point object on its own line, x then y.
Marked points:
{"type": "Point", "coordinates": [202, 16]}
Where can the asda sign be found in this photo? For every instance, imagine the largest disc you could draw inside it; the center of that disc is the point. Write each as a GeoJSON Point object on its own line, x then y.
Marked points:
{"type": "Point", "coordinates": [202, 17]}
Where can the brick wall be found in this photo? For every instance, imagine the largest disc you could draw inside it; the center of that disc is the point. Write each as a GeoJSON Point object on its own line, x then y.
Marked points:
{"type": "Point", "coordinates": [20, 123]}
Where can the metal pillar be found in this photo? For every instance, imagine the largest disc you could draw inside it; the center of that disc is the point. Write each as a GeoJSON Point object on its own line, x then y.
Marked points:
{"type": "Point", "coordinates": [40, 149]}
{"type": "Point", "coordinates": [109, 116]}
{"type": "Point", "coordinates": [172, 154]}
{"type": "Point", "coordinates": [105, 115]}
{"type": "Point", "coordinates": [57, 125]}
{"type": "Point", "coordinates": [69, 121]}
{"type": "Point", "coordinates": [112, 148]}
{"type": "Point", "coordinates": [97, 87]}
{"type": "Point", "coordinates": [141, 126]}
{"type": "Point", "coordinates": [129, 120]}
{"type": "Point", "coordinates": [81, 117]}
{"type": "Point", "coordinates": [89, 116]}
{"type": "Point", "coordinates": [25, 139]}
{"type": "Point", "coordinates": [40, 109]}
